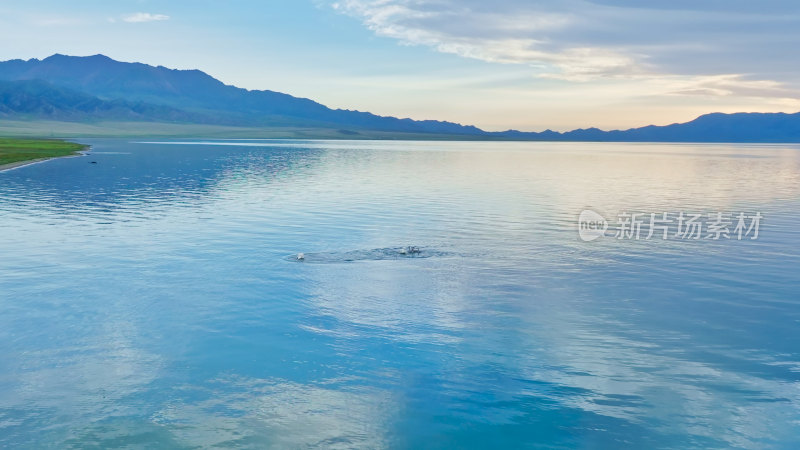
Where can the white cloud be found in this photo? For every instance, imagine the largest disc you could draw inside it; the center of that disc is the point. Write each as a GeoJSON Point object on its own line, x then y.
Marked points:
{"type": "Point", "coordinates": [140, 17]}
{"type": "Point", "coordinates": [502, 35]}
{"type": "Point", "coordinates": [581, 40]}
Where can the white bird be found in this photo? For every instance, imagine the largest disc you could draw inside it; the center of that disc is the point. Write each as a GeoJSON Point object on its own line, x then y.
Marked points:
{"type": "Point", "coordinates": [301, 256]}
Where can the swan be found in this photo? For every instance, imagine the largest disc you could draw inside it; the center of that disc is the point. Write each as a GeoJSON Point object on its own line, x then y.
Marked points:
{"type": "Point", "coordinates": [301, 256]}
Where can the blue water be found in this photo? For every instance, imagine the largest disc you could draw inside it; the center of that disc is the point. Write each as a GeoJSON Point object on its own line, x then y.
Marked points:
{"type": "Point", "coordinates": [155, 299]}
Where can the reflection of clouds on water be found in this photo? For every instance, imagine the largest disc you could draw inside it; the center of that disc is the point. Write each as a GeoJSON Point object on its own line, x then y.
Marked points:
{"type": "Point", "coordinates": [403, 299]}
{"type": "Point", "coordinates": [714, 177]}
{"type": "Point", "coordinates": [240, 411]}
{"type": "Point", "coordinates": [150, 182]}
{"type": "Point", "coordinates": [656, 381]}
{"type": "Point", "coordinates": [551, 345]}
{"type": "Point", "coordinates": [106, 370]}
{"type": "Point", "coordinates": [553, 176]}
{"type": "Point", "coordinates": [76, 383]}
{"type": "Point", "coordinates": [517, 323]}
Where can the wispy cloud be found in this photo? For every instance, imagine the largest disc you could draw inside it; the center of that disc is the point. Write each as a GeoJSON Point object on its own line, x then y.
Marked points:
{"type": "Point", "coordinates": [581, 40]}
{"type": "Point", "coordinates": [140, 17]}
{"type": "Point", "coordinates": [514, 32]}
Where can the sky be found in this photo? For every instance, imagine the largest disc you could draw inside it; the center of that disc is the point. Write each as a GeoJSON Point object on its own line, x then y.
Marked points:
{"type": "Point", "coordinates": [521, 64]}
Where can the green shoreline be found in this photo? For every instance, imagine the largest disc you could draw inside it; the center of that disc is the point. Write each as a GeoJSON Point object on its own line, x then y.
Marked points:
{"type": "Point", "coordinates": [16, 152]}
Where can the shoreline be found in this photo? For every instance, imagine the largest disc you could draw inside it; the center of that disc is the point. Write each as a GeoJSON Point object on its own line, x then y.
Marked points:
{"type": "Point", "coordinates": [33, 151]}
{"type": "Point", "coordinates": [30, 162]}
{"type": "Point", "coordinates": [18, 164]}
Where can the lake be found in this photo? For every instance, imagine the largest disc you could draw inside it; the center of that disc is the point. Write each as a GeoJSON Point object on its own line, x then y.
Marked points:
{"type": "Point", "coordinates": [155, 299]}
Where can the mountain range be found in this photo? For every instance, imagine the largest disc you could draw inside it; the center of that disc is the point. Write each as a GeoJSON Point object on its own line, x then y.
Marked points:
{"type": "Point", "coordinates": [98, 88]}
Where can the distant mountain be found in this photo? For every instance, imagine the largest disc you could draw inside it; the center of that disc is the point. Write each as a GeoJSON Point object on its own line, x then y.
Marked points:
{"type": "Point", "coordinates": [99, 88]}
{"type": "Point", "coordinates": [39, 99]}
{"type": "Point", "coordinates": [196, 91]}
{"type": "Point", "coordinates": [715, 127]}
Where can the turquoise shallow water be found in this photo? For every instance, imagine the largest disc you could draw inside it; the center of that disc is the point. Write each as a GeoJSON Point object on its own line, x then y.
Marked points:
{"type": "Point", "coordinates": [155, 299]}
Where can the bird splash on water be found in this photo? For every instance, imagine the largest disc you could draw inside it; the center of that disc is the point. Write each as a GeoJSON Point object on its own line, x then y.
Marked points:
{"type": "Point", "coordinates": [410, 250]}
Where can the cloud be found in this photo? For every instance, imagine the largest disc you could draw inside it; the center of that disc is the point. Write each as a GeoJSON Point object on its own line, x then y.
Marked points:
{"type": "Point", "coordinates": [731, 85]}
{"type": "Point", "coordinates": [140, 17]}
{"type": "Point", "coordinates": [268, 413]}
{"type": "Point", "coordinates": [512, 33]}
{"type": "Point", "coordinates": [581, 40]}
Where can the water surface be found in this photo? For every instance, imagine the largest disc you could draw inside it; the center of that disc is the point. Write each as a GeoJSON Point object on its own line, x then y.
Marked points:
{"type": "Point", "coordinates": [155, 299]}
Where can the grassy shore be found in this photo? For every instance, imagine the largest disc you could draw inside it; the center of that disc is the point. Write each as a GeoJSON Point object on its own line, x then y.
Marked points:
{"type": "Point", "coordinates": [14, 152]}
